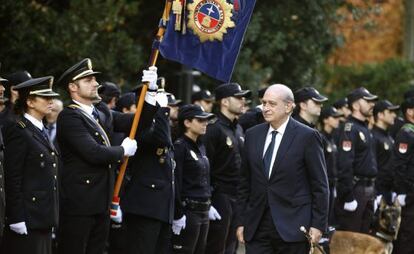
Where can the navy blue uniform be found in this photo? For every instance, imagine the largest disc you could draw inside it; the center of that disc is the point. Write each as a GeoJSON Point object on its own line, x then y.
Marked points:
{"type": "Point", "coordinates": [193, 195]}
{"type": "Point", "coordinates": [403, 166]}
{"type": "Point", "coordinates": [384, 144]}
{"type": "Point", "coordinates": [357, 169]}
{"type": "Point", "coordinates": [31, 167]}
{"type": "Point", "coordinates": [148, 199]}
{"type": "Point", "coordinates": [224, 143]}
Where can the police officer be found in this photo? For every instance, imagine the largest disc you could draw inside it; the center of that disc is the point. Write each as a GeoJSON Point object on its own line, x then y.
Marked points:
{"type": "Point", "coordinates": [357, 166]}
{"type": "Point", "coordinates": [174, 105]}
{"type": "Point", "coordinates": [399, 121]}
{"type": "Point", "coordinates": [253, 116]}
{"type": "Point", "coordinates": [148, 199]}
{"type": "Point", "coordinates": [15, 78]}
{"type": "Point", "coordinates": [87, 176]}
{"type": "Point", "coordinates": [329, 120]}
{"type": "Point", "coordinates": [308, 105]}
{"type": "Point", "coordinates": [384, 116]}
{"type": "Point", "coordinates": [190, 226]}
{"type": "Point", "coordinates": [403, 166]}
{"type": "Point", "coordinates": [203, 98]}
{"type": "Point", "coordinates": [31, 167]}
{"type": "Point", "coordinates": [109, 92]}
{"type": "Point", "coordinates": [2, 191]}
{"type": "Point", "coordinates": [224, 142]}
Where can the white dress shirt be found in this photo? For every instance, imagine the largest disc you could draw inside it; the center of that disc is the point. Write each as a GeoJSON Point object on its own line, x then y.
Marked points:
{"type": "Point", "coordinates": [34, 121]}
{"type": "Point", "coordinates": [87, 108]}
{"type": "Point", "coordinates": [278, 139]}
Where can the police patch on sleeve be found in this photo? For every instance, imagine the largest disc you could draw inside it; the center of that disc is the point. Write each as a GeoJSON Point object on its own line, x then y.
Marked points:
{"type": "Point", "coordinates": [362, 136]}
{"type": "Point", "coordinates": [402, 148]}
{"type": "Point", "coordinates": [346, 145]}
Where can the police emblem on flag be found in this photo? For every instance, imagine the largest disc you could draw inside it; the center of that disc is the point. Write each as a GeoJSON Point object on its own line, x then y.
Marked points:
{"type": "Point", "coordinates": [209, 19]}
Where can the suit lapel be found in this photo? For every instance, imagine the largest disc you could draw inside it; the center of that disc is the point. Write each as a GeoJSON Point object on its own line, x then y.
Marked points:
{"type": "Point", "coordinates": [38, 135]}
{"type": "Point", "coordinates": [287, 139]}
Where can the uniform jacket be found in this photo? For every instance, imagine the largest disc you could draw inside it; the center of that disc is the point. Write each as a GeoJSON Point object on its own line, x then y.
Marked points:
{"type": "Point", "coordinates": [87, 175]}
{"type": "Point", "coordinates": [149, 187]}
{"type": "Point", "coordinates": [296, 192]}
{"type": "Point", "coordinates": [31, 168]}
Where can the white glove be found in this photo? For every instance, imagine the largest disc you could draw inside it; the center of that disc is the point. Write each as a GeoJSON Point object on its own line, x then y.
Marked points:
{"type": "Point", "coordinates": [213, 214]}
{"type": "Point", "coordinates": [118, 217]}
{"type": "Point", "coordinates": [377, 201]}
{"type": "Point", "coordinates": [20, 228]}
{"type": "Point", "coordinates": [151, 77]}
{"type": "Point", "coordinates": [401, 199]}
{"type": "Point", "coordinates": [162, 99]}
{"type": "Point", "coordinates": [130, 146]}
{"type": "Point", "coordinates": [351, 206]}
{"type": "Point", "coordinates": [179, 225]}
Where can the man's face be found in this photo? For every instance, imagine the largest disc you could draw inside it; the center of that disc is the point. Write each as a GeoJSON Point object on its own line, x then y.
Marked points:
{"type": "Point", "coordinates": [87, 88]}
{"type": "Point", "coordinates": [274, 108]}
{"type": "Point", "coordinates": [57, 107]}
{"type": "Point", "coordinates": [235, 105]}
{"type": "Point", "coordinates": [312, 108]}
{"type": "Point", "coordinates": [2, 89]}
{"type": "Point", "coordinates": [366, 107]}
{"type": "Point", "coordinates": [206, 105]}
{"type": "Point", "coordinates": [173, 112]}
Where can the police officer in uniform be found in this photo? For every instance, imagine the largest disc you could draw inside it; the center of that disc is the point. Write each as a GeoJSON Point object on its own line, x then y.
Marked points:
{"type": "Point", "coordinates": [253, 116]}
{"type": "Point", "coordinates": [31, 167]}
{"type": "Point", "coordinates": [190, 226]}
{"type": "Point", "coordinates": [2, 191]}
{"type": "Point", "coordinates": [204, 99]}
{"type": "Point", "coordinates": [357, 166]}
{"type": "Point", "coordinates": [329, 120]}
{"type": "Point", "coordinates": [224, 143]}
{"type": "Point", "coordinates": [308, 106]}
{"type": "Point", "coordinates": [384, 116]}
{"type": "Point", "coordinates": [87, 175]}
{"type": "Point", "coordinates": [403, 166]}
{"type": "Point", "coordinates": [148, 199]}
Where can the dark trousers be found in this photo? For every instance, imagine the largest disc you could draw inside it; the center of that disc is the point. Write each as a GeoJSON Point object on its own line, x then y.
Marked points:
{"type": "Point", "coordinates": [222, 233]}
{"type": "Point", "coordinates": [83, 234]}
{"type": "Point", "coordinates": [192, 239]}
{"type": "Point", "coordinates": [267, 240]}
{"type": "Point", "coordinates": [359, 220]}
{"type": "Point", "coordinates": [146, 235]}
{"type": "Point", "coordinates": [35, 242]}
{"type": "Point", "coordinates": [117, 241]}
{"type": "Point", "coordinates": [404, 243]}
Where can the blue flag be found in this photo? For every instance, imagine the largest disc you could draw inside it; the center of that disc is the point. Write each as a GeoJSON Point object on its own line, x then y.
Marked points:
{"type": "Point", "coordinates": [214, 31]}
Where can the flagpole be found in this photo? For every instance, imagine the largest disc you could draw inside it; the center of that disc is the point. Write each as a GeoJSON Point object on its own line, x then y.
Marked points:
{"type": "Point", "coordinates": [140, 103]}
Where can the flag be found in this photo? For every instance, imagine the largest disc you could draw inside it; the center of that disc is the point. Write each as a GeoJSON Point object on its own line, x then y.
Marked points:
{"type": "Point", "coordinates": [210, 36]}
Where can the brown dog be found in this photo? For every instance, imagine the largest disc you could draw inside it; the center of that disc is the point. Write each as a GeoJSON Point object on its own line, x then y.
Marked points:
{"type": "Point", "coordinates": [386, 230]}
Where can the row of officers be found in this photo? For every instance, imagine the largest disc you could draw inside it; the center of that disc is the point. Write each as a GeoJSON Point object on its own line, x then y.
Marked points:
{"type": "Point", "coordinates": [182, 190]}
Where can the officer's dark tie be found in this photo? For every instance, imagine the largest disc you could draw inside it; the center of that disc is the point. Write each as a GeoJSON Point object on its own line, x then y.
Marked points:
{"type": "Point", "coordinates": [44, 133]}
{"type": "Point", "coordinates": [95, 114]}
{"type": "Point", "coordinates": [267, 158]}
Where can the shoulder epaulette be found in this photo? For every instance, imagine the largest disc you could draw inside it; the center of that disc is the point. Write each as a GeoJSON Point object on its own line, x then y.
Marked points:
{"type": "Point", "coordinates": [408, 127]}
{"type": "Point", "coordinates": [21, 124]}
{"type": "Point", "coordinates": [73, 106]}
{"type": "Point", "coordinates": [214, 120]}
{"type": "Point", "coordinates": [348, 127]}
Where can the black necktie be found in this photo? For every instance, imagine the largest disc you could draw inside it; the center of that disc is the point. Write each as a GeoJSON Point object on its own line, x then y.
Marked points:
{"type": "Point", "coordinates": [95, 114]}
{"type": "Point", "coordinates": [44, 133]}
{"type": "Point", "coordinates": [267, 158]}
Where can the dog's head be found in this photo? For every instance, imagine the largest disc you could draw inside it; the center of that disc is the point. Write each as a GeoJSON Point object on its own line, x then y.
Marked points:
{"type": "Point", "coordinates": [389, 219]}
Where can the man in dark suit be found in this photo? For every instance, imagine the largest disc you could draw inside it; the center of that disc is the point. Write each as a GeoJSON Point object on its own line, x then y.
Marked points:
{"type": "Point", "coordinates": [87, 176]}
{"type": "Point", "coordinates": [284, 184]}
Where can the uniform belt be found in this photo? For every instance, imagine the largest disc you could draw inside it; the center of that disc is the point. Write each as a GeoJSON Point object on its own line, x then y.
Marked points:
{"type": "Point", "coordinates": [196, 205]}
{"type": "Point", "coordinates": [366, 181]}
